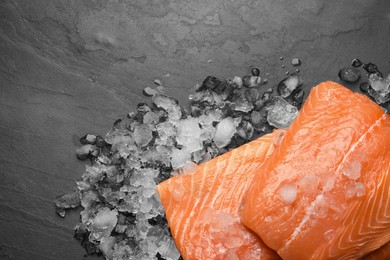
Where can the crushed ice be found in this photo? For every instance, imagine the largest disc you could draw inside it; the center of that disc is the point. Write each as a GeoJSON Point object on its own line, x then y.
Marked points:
{"type": "Point", "coordinates": [122, 216]}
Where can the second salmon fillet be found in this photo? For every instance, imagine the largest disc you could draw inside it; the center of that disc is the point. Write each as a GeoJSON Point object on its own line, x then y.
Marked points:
{"type": "Point", "coordinates": [325, 191]}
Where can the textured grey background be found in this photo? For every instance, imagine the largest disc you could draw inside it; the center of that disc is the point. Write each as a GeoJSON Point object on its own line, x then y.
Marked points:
{"type": "Point", "coordinates": [72, 67]}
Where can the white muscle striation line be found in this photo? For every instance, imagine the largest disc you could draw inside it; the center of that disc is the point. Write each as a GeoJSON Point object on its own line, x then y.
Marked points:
{"type": "Point", "coordinates": [181, 219]}
{"type": "Point", "coordinates": [197, 202]}
{"type": "Point", "coordinates": [245, 165]}
{"type": "Point", "coordinates": [219, 190]}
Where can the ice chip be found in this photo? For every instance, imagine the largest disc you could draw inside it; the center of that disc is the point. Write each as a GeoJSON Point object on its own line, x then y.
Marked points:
{"type": "Point", "coordinates": [353, 170]}
{"type": "Point", "coordinates": [220, 221]}
{"type": "Point", "coordinates": [309, 183]}
{"type": "Point", "coordinates": [123, 143]}
{"type": "Point", "coordinates": [105, 218]}
{"type": "Point", "coordinates": [296, 62]}
{"type": "Point", "coordinates": [360, 189]}
{"type": "Point", "coordinates": [103, 223]}
{"type": "Point", "coordinates": [380, 88]}
{"type": "Point", "coordinates": [288, 193]}
{"type": "Point", "coordinates": [238, 81]}
{"type": "Point", "coordinates": [107, 245]}
{"type": "Point", "coordinates": [224, 132]}
{"type": "Point", "coordinates": [163, 101]}
{"type": "Point", "coordinates": [189, 134]}
{"type": "Point", "coordinates": [350, 190]}
{"type": "Point", "coordinates": [166, 131]}
{"type": "Point", "coordinates": [168, 249]}
{"type": "Point", "coordinates": [174, 113]}
{"type": "Point", "coordinates": [242, 105]}
{"type": "Point", "coordinates": [145, 207]}
{"type": "Point", "coordinates": [288, 85]}
{"type": "Point", "coordinates": [67, 201]}
{"type": "Point", "coordinates": [179, 158]}
{"type": "Point", "coordinates": [151, 118]}
{"type": "Point", "coordinates": [281, 113]}
{"type": "Point", "coordinates": [142, 135]}
{"type": "Point", "coordinates": [198, 155]}
{"type": "Point", "coordinates": [168, 104]}
{"type": "Point", "coordinates": [327, 182]}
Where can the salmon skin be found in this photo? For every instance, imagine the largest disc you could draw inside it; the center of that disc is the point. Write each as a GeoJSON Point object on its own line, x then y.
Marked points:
{"type": "Point", "coordinates": [324, 192]}
{"type": "Point", "coordinates": [202, 207]}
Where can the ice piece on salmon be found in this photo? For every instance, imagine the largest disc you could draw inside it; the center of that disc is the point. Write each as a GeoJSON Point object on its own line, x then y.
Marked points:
{"type": "Point", "coordinates": [202, 207]}
{"type": "Point", "coordinates": [342, 138]}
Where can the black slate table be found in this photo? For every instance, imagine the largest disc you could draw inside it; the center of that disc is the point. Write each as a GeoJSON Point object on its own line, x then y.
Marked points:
{"type": "Point", "coordinates": [72, 67]}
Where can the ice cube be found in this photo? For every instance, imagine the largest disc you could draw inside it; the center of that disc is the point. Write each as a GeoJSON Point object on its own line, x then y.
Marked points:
{"type": "Point", "coordinates": [123, 251]}
{"type": "Point", "coordinates": [179, 158]}
{"type": "Point", "coordinates": [67, 201]}
{"type": "Point", "coordinates": [288, 85]}
{"type": "Point", "coordinates": [245, 130]}
{"type": "Point", "coordinates": [103, 223]}
{"type": "Point", "coordinates": [142, 135]}
{"type": "Point", "coordinates": [198, 155]}
{"type": "Point", "coordinates": [148, 91]}
{"type": "Point", "coordinates": [281, 113]}
{"type": "Point", "coordinates": [151, 118]}
{"type": "Point", "coordinates": [166, 130]}
{"type": "Point", "coordinates": [123, 144]}
{"type": "Point", "coordinates": [212, 116]}
{"type": "Point", "coordinates": [163, 101]}
{"type": "Point", "coordinates": [189, 134]}
{"type": "Point", "coordinates": [107, 245]}
{"type": "Point", "coordinates": [296, 62]}
{"type": "Point", "coordinates": [105, 218]}
{"type": "Point", "coordinates": [83, 152]}
{"type": "Point", "coordinates": [225, 130]}
{"type": "Point", "coordinates": [145, 206]}
{"type": "Point", "coordinates": [380, 88]}
{"type": "Point", "coordinates": [88, 139]}
{"type": "Point", "coordinates": [251, 81]}
{"type": "Point", "coordinates": [168, 249]}
{"type": "Point", "coordinates": [238, 81]}
{"type": "Point", "coordinates": [168, 104]}
{"type": "Point", "coordinates": [242, 105]}
{"type": "Point", "coordinates": [353, 170]}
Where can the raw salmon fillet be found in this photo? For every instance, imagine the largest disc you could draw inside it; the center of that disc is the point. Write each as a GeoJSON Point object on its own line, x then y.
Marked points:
{"type": "Point", "coordinates": [382, 253]}
{"type": "Point", "coordinates": [324, 192]}
{"type": "Point", "coordinates": [202, 207]}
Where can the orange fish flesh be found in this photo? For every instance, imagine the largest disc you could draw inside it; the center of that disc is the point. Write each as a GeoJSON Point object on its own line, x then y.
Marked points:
{"type": "Point", "coordinates": [325, 191]}
{"type": "Point", "coordinates": [202, 207]}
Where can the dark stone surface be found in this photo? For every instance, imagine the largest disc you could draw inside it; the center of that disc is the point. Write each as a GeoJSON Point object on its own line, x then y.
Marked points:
{"type": "Point", "coordinates": [68, 68]}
